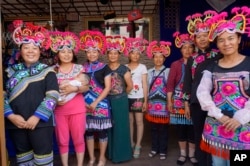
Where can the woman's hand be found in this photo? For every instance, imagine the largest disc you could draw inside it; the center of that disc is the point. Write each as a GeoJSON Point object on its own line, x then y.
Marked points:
{"type": "Point", "coordinates": [93, 105]}
{"type": "Point", "coordinates": [32, 122]}
{"type": "Point", "coordinates": [170, 106]}
{"type": "Point", "coordinates": [144, 106]}
{"type": "Point", "coordinates": [231, 124]}
{"type": "Point", "coordinates": [223, 119]}
{"type": "Point", "coordinates": [187, 112]}
{"type": "Point", "coordinates": [17, 120]}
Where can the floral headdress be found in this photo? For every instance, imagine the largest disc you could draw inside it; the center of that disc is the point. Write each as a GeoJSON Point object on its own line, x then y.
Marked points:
{"type": "Point", "coordinates": [240, 22]}
{"type": "Point", "coordinates": [196, 24]}
{"type": "Point", "coordinates": [92, 40]}
{"type": "Point", "coordinates": [61, 40]}
{"type": "Point", "coordinates": [135, 44]}
{"type": "Point", "coordinates": [26, 32]}
{"type": "Point", "coordinates": [181, 39]}
{"type": "Point", "coordinates": [161, 47]}
{"type": "Point", "coordinates": [116, 43]}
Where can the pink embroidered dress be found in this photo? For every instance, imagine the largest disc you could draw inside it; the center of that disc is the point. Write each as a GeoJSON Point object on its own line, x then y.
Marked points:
{"type": "Point", "coordinates": [230, 97]}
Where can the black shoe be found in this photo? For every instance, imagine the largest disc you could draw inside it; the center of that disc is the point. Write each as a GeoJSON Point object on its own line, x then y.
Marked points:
{"type": "Point", "coordinates": [152, 153]}
{"type": "Point", "coordinates": [163, 156]}
{"type": "Point", "coordinates": [181, 162]}
{"type": "Point", "coordinates": [193, 160]}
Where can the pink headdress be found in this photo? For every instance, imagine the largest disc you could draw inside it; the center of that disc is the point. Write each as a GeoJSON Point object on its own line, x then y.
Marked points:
{"type": "Point", "coordinates": [135, 44]}
{"type": "Point", "coordinates": [61, 40]}
{"type": "Point", "coordinates": [162, 47]}
{"type": "Point", "coordinates": [240, 23]}
{"type": "Point", "coordinates": [27, 33]}
{"type": "Point", "coordinates": [92, 40]}
{"type": "Point", "coordinates": [181, 39]}
{"type": "Point", "coordinates": [196, 24]}
{"type": "Point", "coordinates": [116, 43]}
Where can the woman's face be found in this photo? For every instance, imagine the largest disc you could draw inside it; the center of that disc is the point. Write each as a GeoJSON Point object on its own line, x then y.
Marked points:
{"type": "Point", "coordinates": [92, 55]}
{"type": "Point", "coordinates": [113, 56]}
{"type": "Point", "coordinates": [30, 53]}
{"type": "Point", "coordinates": [187, 50]}
{"type": "Point", "coordinates": [158, 59]}
{"type": "Point", "coordinates": [201, 40]}
{"type": "Point", "coordinates": [65, 55]}
{"type": "Point", "coordinates": [228, 43]}
{"type": "Point", "coordinates": [134, 56]}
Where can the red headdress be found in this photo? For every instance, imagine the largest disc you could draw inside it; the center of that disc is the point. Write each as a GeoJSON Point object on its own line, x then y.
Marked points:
{"type": "Point", "coordinates": [196, 24]}
{"type": "Point", "coordinates": [92, 40]}
{"type": "Point", "coordinates": [116, 43]}
{"type": "Point", "coordinates": [181, 39]}
{"type": "Point", "coordinates": [61, 40]}
{"type": "Point", "coordinates": [26, 32]}
{"type": "Point", "coordinates": [239, 23]}
{"type": "Point", "coordinates": [135, 44]}
{"type": "Point", "coordinates": [161, 47]}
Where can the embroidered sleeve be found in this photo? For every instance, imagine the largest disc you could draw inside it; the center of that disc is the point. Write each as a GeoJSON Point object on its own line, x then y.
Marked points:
{"type": "Point", "coordinates": [243, 115]}
{"type": "Point", "coordinates": [7, 109]}
{"type": "Point", "coordinates": [47, 106]}
{"type": "Point", "coordinates": [204, 96]}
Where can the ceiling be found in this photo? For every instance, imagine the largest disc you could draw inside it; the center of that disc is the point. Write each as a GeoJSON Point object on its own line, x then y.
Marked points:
{"type": "Point", "coordinates": [34, 8]}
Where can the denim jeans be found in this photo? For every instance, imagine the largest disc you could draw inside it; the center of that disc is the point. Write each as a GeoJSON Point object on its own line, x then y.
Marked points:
{"type": "Point", "coordinates": [159, 136]}
{"type": "Point", "coordinates": [217, 161]}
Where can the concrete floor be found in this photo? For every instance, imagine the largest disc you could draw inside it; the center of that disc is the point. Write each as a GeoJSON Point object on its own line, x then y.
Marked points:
{"type": "Point", "coordinates": [143, 160]}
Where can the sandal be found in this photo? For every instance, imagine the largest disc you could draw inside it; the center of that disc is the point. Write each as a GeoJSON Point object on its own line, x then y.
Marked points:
{"type": "Point", "coordinates": [91, 163]}
{"type": "Point", "coordinates": [181, 160]}
{"type": "Point", "coordinates": [152, 153]}
{"type": "Point", "coordinates": [193, 160]}
{"type": "Point", "coordinates": [137, 151]}
{"type": "Point", "coordinates": [101, 163]}
{"type": "Point", "coordinates": [163, 156]}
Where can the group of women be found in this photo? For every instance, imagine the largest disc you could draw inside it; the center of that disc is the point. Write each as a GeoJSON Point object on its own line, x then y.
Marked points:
{"type": "Point", "coordinates": [205, 94]}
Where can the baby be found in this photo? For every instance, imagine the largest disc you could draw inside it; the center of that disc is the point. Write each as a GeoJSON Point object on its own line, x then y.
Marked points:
{"type": "Point", "coordinates": [77, 83]}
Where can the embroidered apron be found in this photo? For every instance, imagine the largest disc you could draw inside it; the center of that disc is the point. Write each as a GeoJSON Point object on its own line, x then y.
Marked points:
{"type": "Point", "coordinates": [229, 96]}
{"type": "Point", "coordinates": [178, 115]}
{"type": "Point", "coordinates": [157, 107]}
{"type": "Point", "coordinates": [100, 118]}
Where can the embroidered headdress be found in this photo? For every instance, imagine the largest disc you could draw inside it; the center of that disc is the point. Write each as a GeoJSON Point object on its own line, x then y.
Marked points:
{"type": "Point", "coordinates": [61, 40]}
{"type": "Point", "coordinates": [26, 32]}
{"type": "Point", "coordinates": [92, 40]}
{"type": "Point", "coordinates": [181, 39]}
{"type": "Point", "coordinates": [196, 24]}
{"type": "Point", "coordinates": [135, 44]}
{"type": "Point", "coordinates": [116, 43]}
{"type": "Point", "coordinates": [240, 22]}
{"type": "Point", "coordinates": [162, 47]}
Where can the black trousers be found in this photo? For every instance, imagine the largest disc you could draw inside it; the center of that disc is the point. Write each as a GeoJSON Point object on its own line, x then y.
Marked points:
{"type": "Point", "coordinates": [159, 136]}
{"type": "Point", "coordinates": [198, 118]}
{"type": "Point", "coordinates": [40, 140]}
{"type": "Point", "coordinates": [185, 132]}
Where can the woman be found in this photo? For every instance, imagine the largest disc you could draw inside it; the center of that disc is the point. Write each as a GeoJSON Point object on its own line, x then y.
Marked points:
{"type": "Point", "coordinates": [202, 57]}
{"type": "Point", "coordinates": [98, 108]}
{"type": "Point", "coordinates": [224, 89]}
{"type": "Point", "coordinates": [30, 98]}
{"type": "Point", "coordinates": [157, 113]}
{"type": "Point", "coordinates": [119, 145]}
{"type": "Point", "coordinates": [175, 101]}
{"type": "Point", "coordinates": [70, 113]}
{"type": "Point", "coordinates": [138, 96]}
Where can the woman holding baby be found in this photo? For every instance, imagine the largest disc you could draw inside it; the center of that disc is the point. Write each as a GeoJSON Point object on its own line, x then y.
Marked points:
{"type": "Point", "coordinates": [70, 113]}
